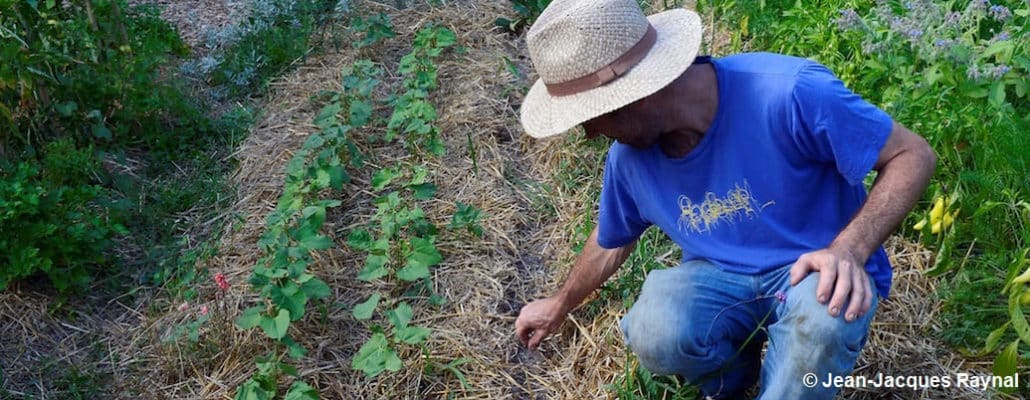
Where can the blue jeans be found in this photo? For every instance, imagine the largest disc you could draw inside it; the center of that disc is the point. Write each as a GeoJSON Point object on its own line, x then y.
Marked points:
{"type": "Point", "coordinates": [695, 321]}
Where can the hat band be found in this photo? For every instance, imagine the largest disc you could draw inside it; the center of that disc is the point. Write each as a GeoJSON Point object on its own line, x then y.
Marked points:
{"type": "Point", "coordinates": [609, 72]}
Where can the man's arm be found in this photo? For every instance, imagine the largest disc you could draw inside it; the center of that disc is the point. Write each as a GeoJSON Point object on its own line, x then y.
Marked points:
{"type": "Point", "coordinates": [593, 267]}
{"type": "Point", "coordinates": [905, 165]}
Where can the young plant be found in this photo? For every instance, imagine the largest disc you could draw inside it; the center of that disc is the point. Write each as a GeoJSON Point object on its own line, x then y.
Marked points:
{"type": "Point", "coordinates": [292, 230]}
{"type": "Point", "coordinates": [467, 217]}
{"type": "Point", "coordinates": [373, 29]}
{"type": "Point", "coordinates": [379, 353]}
{"type": "Point", "coordinates": [413, 114]}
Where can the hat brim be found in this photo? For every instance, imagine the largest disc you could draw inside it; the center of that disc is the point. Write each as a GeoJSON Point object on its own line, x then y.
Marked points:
{"type": "Point", "coordinates": [679, 38]}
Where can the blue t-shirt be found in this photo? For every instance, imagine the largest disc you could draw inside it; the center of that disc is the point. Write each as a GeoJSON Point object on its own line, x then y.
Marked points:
{"type": "Point", "coordinates": [778, 174]}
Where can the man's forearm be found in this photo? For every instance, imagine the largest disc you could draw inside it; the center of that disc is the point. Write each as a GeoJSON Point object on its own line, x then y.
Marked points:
{"type": "Point", "coordinates": [592, 268]}
{"type": "Point", "coordinates": [900, 183]}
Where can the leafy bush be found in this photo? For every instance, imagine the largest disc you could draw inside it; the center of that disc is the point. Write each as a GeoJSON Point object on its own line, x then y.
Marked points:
{"type": "Point", "coordinates": [49, 220]}
{"type": "Point", "coordinates": [88, 70]}
{"type": "Point", "coordinates": [78, 78]}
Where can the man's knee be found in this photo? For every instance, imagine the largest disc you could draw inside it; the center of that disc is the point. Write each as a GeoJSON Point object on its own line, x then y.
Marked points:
{"type": "Point", "coordinates": [812, 327]}
{"type": "Point", "coordinates": [663, 344]}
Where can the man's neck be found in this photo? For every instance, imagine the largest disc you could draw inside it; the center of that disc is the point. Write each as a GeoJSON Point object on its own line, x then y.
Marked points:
{"type": "Point", "coordinates": [693, 102]}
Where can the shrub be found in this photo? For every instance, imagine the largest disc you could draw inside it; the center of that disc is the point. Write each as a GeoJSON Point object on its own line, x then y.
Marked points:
{"type": "Point", "coordinates": [49, 220]}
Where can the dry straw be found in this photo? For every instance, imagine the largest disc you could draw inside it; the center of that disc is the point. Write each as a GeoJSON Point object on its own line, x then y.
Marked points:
{"type": "Point", "coordinates": [529, 220]}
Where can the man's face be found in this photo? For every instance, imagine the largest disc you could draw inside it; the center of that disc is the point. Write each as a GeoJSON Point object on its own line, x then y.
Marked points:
{"type": "Point", "coordinates": [629, 125]}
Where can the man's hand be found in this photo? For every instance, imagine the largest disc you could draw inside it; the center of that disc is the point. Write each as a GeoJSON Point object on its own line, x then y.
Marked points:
{"type": "Point", "coordinates": [539, 319]}
{"type": "Point", "coordinates": [840, 274]}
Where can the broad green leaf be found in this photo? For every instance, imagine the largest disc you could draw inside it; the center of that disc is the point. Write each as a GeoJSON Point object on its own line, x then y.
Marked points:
{"type": "Point", "coordinates": [380, 246]}
{"type": "Point", "coordinates": [995, 337]}
{"type": "Point", "coordinates": [413, 272]}
{"type": "Point", "coordinates": [375, 268]}
{"type": "Point", "coordinates": [294, 349]}
{"type": "Point", "coordinates": [360, 113]}
{"type": "Point", "coordinates": [1007, 361]}
{"type": "Point", "coordinates": [316, 242]}
{"type": "Point", "coordinates": [391, 362]}
{"type": "Point", "coordinates": [337, 176]}
{"type": "Point", "coordinates": [327, 117]}
{"type": "Point", "coordinates": [276, 327]}
{"type": "Point", "coordinates": [251, 390]}
{"type": "Point", "coordinates": [365, 309]}
{"type": "Point", "coordinates": [301, 391]}
{"type": "Point", "coordinates": [412, 334]}
{"type": "Point", "coordinates": [321, 178]}
{"type": "Point", "coordinates": [101, 131]}
{"type": "Point", "coordinates": [423, 252]}
{"type": "Point", "coordinates": [372, 356]}
{"type": "Point", "coordinates": [360, 239]}
{"type": "Point", "coordinates": [314, 215]}
{"type": "Point", "coordinates": [423, 191]}
{"type": "Point", "coordinates": [66, 108]}
{"type": "Point", "coordinates": [997, 98]}
{"type": "Point", "coordinates": [1002, 47]}
{"type": "Point", "coordinates": [290, 298]}
{"type": "Point", "coordinates": [316, 288]}
{"type": "Point", "coordinates": [288, 369]}
{"type": "Point", "coordinates": [1018, 319]}
{"type": "Point", "coordinates": [383, 177]}
{"type": "Point", "coordinates": [251, 317]}
{"type": "Point", "coordinates": [400, 316]}
{"type": "Point", "coordinates": [419, 175]}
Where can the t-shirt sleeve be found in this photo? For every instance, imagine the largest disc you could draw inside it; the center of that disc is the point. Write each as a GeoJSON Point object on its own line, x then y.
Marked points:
{"type": "Point", "coordinates": [619, 220]}
{"type": "Point", "coordinates": [833, 124]}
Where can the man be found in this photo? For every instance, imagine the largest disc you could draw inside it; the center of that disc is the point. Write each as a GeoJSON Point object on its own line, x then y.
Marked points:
{"type": "Point", "coordinates": [754, 165]}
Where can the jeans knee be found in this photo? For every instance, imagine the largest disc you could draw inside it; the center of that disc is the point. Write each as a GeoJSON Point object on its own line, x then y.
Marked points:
{"type": "Point", "coordinates": [663, 345]}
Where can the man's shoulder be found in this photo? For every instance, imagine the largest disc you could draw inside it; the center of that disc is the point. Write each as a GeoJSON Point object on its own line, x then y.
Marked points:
{"type": "Point", "coordinates": [763, 64]}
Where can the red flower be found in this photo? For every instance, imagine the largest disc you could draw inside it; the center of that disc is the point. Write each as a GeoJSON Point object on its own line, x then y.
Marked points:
{"type": "Point", "coordinates": [221, 281]}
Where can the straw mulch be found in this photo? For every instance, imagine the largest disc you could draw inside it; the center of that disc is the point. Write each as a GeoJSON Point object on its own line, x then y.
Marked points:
{"type": "Point", "coordinates": [530, 217]}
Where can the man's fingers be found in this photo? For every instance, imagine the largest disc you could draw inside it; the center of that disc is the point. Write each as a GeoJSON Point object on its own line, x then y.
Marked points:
{"type": "Point", "coordinates": [827, 278]}
{"type": "Point", "coordinates": [522, 331]}
{"type": "Point", "coordinates": [859, 292]}
{"type": "Point", "coordinates": [538, 336]}
{"type": "Point", "coordinates": [868, 302]}
{"type": "Point", "coordinates": [800, 270]}
{"type": "Point", "coordinates": [841, 288]}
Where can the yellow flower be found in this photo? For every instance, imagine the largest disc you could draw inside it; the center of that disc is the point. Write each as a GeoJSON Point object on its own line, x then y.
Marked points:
{"type": "Point", "coordinates": [939, 218]}
{"type": "Point", "coordinates": [1024, 299]}
{"type": "Point", "coordinates": [1022, 278]}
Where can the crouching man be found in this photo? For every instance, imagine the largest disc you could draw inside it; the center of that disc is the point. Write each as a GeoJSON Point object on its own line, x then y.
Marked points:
{"type": "Point", "coordinates": [754, 165]}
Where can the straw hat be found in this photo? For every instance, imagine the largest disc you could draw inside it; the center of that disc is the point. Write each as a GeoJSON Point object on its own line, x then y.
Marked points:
{"type": "Point", "coordinates": [595, 56]}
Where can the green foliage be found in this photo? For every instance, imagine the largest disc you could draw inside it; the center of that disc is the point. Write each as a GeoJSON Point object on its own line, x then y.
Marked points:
{"type": "Point", "coordinates": [399, 240]}
{"type": "Point", "coordinates": [374, 29]}
{"type": "Point", "coordinates": [88, 70]}
{"type": "Point", "coordinates": [292, 230]}
{"type": "Point", "coordinates": [79, 82]}
{"type": "Point", "coordinates": [638, 383]}
{"type": "Point", "coordinates": [413, 113]}
{"type": "Point", "coordinates": [379, 353]}
{"type": "Point", "coordinates": [50, 221]}
{"type": "Point", "coordinates": [263, 385]}
{"type": "Point", "coordinates": [467, 217]}
{"type": "Point", "coordinates": [527, 10]}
